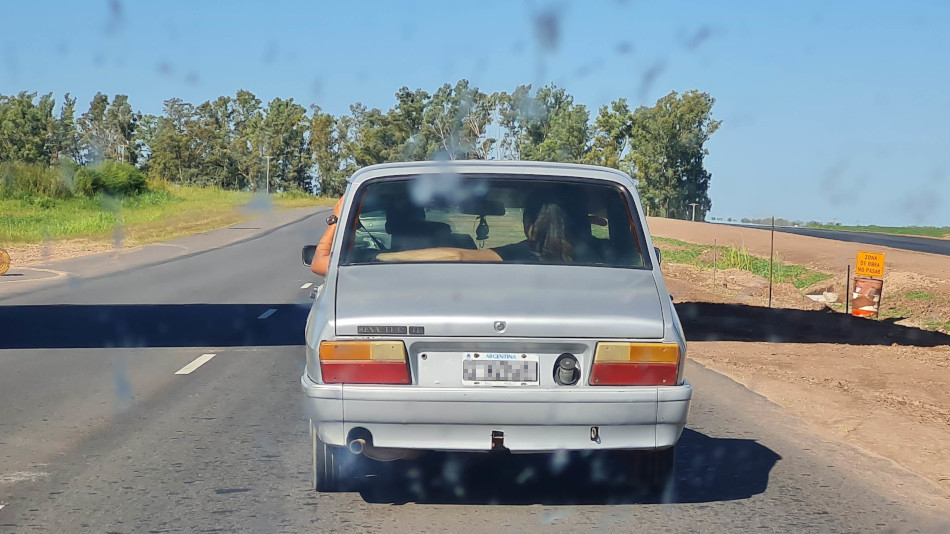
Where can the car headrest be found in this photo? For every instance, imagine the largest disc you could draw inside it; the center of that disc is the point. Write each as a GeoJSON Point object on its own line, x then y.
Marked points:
{"type": "Point", "coordinates": [420, 228]}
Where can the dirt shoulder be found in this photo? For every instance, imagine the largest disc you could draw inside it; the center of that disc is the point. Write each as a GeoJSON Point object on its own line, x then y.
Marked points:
{"type": "Point", "coordinates": [882, 386]}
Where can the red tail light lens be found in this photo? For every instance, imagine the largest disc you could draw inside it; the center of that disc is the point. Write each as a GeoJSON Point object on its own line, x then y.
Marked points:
{"type": "Point", "coordinates": [364, 362]}
{"type": "Point", "coordinates": [635, 364]}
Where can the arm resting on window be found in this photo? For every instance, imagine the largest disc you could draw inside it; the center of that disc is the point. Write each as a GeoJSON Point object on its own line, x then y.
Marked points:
{"type": "Point", "coordinates": [321, 261]}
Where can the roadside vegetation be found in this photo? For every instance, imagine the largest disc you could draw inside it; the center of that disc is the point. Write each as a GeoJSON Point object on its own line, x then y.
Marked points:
{"type": "Point", "coordinates": [733, 257]}
{"type": "Point", "coordinates": [115, 201]}
{"type": "Point", "coordinates": [924, 231]}
{"type": "Point", "coordinates": [241, 143]}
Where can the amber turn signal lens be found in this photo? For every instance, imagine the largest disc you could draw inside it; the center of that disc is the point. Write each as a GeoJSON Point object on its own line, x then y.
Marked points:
{"type": "Point", "coordinates": [363, 350]}
{"type": "Point", "coordinates": [635, 364]}
{"type": "Point", "coordinates": [637, 352]}
{"type": "Point", "coordinates": [364, 362]}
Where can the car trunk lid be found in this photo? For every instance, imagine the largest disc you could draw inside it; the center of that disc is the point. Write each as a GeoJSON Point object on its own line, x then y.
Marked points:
{"type": "Point", "coordinates": [450, 300]}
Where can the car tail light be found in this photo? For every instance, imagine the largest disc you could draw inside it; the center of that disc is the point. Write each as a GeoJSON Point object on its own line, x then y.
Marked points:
{"type": "Point", "coordinates": [364, 362]}
{"type": "Point", "coordinates": [635, 364]}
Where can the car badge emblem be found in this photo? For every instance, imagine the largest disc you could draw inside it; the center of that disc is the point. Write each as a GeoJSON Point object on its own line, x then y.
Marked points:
{"type": "Point", "coordinates": [500, 326]}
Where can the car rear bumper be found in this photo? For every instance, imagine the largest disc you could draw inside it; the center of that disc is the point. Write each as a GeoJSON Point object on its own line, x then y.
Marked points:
{"type": "Point", "coordinates": [532, 420]}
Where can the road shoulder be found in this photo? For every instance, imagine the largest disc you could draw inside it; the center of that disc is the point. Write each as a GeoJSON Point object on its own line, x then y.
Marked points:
{"type": "Point", "coordinates": [23, 279]}
{"type": "Point", "coordinates": [881, 386]}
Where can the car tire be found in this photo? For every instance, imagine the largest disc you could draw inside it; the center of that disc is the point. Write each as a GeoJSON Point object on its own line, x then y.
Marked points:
{"type": "Point", "coordinates": [327, 470]}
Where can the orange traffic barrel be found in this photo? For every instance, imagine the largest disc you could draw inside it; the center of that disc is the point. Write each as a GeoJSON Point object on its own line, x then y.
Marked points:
{"type": "Point", "coordinates": [866, 298]}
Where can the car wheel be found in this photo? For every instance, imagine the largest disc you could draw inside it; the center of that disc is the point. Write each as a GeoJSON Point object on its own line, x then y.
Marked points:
{"type": "Point", "coordinates": [327, 470]}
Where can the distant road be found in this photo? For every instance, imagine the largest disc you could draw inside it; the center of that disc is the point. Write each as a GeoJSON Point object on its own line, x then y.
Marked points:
{"type": "Point", "coordinates": [903, 242]}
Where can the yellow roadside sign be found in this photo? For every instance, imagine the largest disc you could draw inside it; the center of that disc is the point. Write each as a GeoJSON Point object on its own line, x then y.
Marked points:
{"type": "Point", "coordinates": [870, 264]}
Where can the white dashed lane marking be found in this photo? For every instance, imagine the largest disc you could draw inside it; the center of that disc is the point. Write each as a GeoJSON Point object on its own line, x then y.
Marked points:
{"type": "Point", "coordinates": [22, 476]}
{"type": "Point", "coordinates": [198, 362]}
{"type": "Point", "coordinates": [268, 313]}
{"type": "Point", "coordinates": [305, 286]}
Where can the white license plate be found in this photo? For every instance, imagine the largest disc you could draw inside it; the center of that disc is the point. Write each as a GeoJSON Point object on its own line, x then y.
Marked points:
{"type": "Point", "coordinates": [499, 369]}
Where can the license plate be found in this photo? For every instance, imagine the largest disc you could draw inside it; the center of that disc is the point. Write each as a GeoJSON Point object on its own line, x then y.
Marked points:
{"type": "Point", "coordinates": [500, 369]}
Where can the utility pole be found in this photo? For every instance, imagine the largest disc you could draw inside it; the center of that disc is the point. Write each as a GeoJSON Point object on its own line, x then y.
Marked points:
{"type": "Point", "coordinates": [694, 204]}
{"type": "Point", "coordinates": [267, 175]}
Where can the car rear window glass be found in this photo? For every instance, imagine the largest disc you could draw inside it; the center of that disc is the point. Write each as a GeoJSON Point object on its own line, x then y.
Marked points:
{"type": "Point", "coordinates": [521, 220]}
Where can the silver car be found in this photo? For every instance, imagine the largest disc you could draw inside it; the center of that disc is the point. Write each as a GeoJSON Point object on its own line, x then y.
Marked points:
{"type": "Point", "coordinates": [514, 307]}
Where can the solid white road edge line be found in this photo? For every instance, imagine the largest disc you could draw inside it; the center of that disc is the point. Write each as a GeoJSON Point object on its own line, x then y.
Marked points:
{"type": "Point", "coordinates": [198, 362]}
{"type": "Point", "coordinates": [268, 313]}
{"type": "Point", "coordinates": [305, 286]}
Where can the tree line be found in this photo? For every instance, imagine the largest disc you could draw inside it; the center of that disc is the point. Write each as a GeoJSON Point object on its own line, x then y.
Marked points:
{"type": "Point", "coordinates": [232, 142]}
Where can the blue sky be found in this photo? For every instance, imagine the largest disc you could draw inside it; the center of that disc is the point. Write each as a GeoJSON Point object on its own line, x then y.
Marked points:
{"type": "Point", "coordinates": [831, 110]}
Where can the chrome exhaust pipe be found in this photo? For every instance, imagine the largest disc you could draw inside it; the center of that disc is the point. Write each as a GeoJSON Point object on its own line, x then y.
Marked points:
{"type": "Point", "coordinates": [357, 445]}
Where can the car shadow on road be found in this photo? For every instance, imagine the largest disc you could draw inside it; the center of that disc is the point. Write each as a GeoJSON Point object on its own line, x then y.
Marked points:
{"type": "Point", "coordinates": [225, 325]}
{"type": "Point", "coordinates": [705, 321]}
{"type": "Point", "coordinates": [151, 325]}
{"type": "Point", "coordinates": [708, 469]}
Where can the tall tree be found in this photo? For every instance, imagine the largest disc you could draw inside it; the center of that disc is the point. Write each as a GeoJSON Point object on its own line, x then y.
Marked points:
{"type": "Point", "coordinates": [120, 123]}
{"type": "Point", "coordinates": [371, 137]}
{"type": "Point", "coordinates": [67, 144]}
{"type": "Point", "coordinates": [27, 128]}
{"type": "Point", "coordinates": [211, 132]}
{"type": "Point", "coordinates": [146, 132]}
{"type": "Point", "coordinates": [407, 119]}
{"type": "Point", "coordinates": [611, 134]}
{"type": "Point", "coordinates": [668, 151]}
{"type": "Point", "coordinates": [515, 110]}
{"type": "Point", "coordinates": [284, 130]}
{"type": "Point", "coordinates": [327, 142]}
{"type": "Point", "coordinates": [456, 121]}
{"type": "Point", "coordinates": [247, 141]}
{"type": "Point", "coordinates": [546, 127]}
{"type": "Point", "coordinates": [96, 139]}
{"type": "Point", "coordinates": [173, 156]}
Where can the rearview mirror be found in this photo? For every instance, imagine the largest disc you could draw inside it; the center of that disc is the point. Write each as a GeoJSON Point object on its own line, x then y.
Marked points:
{"type": "Point", "coordinates": [659, 255]}
{"type": "Point", "coordinates": [307, 254]}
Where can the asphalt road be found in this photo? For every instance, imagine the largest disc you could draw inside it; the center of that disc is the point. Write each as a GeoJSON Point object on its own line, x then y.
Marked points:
{"type": "Point", "coordinates": [99, 434]}
{"type": "Point", "coordinates": [903, 242]}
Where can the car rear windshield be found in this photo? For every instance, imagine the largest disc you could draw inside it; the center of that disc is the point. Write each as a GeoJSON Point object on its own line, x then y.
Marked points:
{"type": "Point", "coordinates": [513, 220]}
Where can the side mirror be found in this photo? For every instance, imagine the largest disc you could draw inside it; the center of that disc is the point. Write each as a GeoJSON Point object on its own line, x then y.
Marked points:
{"type": "Point", "coordinates": [659, 255]}
{"type": "Point", "coordinates": [307, 254]}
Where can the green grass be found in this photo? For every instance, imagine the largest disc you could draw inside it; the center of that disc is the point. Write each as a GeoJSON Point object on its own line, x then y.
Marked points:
{"type": "Point", "coordinates": [894, 312]}
{"type": "Point", "coordinates": [155, 215]}
{"type": "Point", "coordinates": [933, 324]}
{"type": "Point", "coordinates": [676, 251]}
{"type": "Point", "coordinates": [925, 231]}
{"type": "Point", "coordinates": [919, 295]}
{"type": "Point", "coordinates": [732, 257]}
